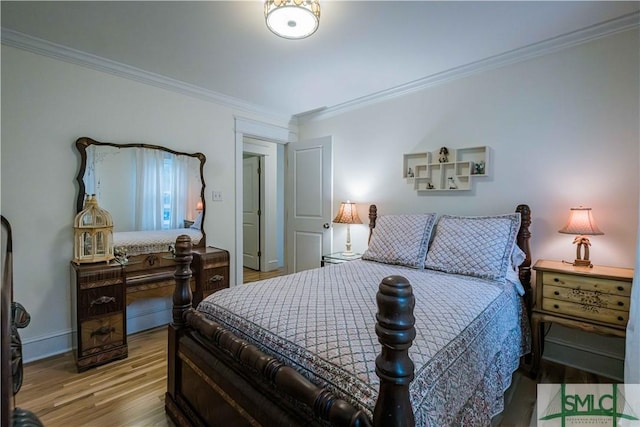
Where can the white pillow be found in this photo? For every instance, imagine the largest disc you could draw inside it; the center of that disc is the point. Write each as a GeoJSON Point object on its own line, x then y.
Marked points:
{"type": "Point", "coordinates": [401, 239]}
{"type": "Point", "coordinates": [475, 246]}
{"type": "Point", "coordinates": [197, 224]}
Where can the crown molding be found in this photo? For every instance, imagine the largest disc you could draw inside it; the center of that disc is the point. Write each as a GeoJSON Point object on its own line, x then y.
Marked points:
{"type": "Point", "coordinates": [597, 31]}
{"type": "Point", "coordinates": [53, 50]}
{"type": "Point", "coordinates": [46, 48]}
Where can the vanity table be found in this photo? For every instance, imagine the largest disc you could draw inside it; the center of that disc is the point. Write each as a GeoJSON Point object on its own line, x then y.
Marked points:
{"type": "Point", "coordinates": [101, 293]}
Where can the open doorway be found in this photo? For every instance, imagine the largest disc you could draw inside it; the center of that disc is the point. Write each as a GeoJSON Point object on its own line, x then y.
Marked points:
{"type": "Point", "coordinates": [262, 205]}
{"type": "Point", "coordinates": [268, 141]}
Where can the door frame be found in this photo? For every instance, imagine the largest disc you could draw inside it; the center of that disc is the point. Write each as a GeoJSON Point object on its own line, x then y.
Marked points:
{"type": "Point", "coordinates": [267, 132]}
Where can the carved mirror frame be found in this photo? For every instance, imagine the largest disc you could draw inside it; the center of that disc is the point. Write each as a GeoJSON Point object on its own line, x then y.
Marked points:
{"type": "Point", "coordinates": [84, 142]}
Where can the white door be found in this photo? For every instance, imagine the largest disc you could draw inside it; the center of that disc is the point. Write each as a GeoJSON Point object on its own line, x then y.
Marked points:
{"type": "Point", "coordinates": [310, 189]}
{"type": "Point", "coordinates": [251, 212]}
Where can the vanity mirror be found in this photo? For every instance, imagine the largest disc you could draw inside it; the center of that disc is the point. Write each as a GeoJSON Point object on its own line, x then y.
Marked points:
{"type": "Point", "coordinates": [146, 188]}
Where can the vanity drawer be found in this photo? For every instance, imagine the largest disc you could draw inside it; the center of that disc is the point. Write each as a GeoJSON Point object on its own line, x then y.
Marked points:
{"type": "Point", "coordinates": [215, 278]}
{"type": "Point", "coordinates": [100, 334]}
{"type": "Point", "coordinates": [147, 262]}
{"type": "Point", "coordinates": [100, 300]}
{"type": "Point", "coordinates": [211, 267]}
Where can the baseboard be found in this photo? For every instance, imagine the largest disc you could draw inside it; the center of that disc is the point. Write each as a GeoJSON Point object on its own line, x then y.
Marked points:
{"type": "Point", "coordinates": [138, 320]}
{"type": "Point", "coordinates": [37, 348]}
{"type": "Point", "coordinates": [273, 265]}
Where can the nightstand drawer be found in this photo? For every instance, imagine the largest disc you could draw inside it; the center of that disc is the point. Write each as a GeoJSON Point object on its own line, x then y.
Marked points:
{"type": "Point", "coordinates": [101, 300]}
{"type": "Point", "coordinates": [215, 278]}
{"type": "Point", "coordinates": [587, 312]}
{"type": "Point", "coordinates": [580, 296]}
{"type": "Point", "coordinates": [609, 286]}
{"type": "Point", "coordinates": [101, 334]}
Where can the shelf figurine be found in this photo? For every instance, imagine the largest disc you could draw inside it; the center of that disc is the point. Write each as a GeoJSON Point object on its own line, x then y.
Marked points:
{"type": "Point", "coordinates": [478, 168]}
{"type": "Point", "coordinates": [430, 186]}
{"type": "Point", "coordinates": [410, 173]}
{"type": "Point", "coordinates": [452, 183]}
{"type": "Point", "coordinates": [443, 155]}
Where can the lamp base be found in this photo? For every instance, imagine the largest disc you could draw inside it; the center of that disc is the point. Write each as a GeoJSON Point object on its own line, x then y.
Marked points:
{"type": "Point", "coordinates": [582, 263]}
{"type": "Point", "coordinates": [348, 253]}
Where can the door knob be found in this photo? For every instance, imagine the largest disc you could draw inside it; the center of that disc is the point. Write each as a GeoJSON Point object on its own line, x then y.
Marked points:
{"type": "Point", "coordinates": [325, 225]}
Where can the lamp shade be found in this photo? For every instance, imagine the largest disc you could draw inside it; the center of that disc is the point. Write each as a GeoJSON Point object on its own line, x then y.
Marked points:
{"type": "Point", "coordinates": [348, 214]}
{"type": "Point", "coordinates": [292, 19]}
{"type": "Point", "coordinates": [581, 222]}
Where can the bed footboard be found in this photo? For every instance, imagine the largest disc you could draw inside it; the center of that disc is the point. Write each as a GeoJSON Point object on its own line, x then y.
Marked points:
{"type": "Point", "coordinates": [216, 378]}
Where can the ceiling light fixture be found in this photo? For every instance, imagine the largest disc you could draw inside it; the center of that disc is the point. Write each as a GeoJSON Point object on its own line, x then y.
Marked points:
{"type": "Point", "coordinates": [292, 19]}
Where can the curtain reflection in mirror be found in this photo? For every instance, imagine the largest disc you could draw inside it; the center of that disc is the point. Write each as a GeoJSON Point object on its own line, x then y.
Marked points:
{"type": "Point", "coordinates": [145, 189]}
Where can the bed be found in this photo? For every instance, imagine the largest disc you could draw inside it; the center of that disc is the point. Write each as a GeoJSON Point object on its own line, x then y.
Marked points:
{"type": "Point", "coordinates": [451, 299]}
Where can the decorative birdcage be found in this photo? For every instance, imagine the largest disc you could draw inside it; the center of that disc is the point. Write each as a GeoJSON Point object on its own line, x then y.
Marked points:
{"type": "Point", "coordinates": [93, 233]}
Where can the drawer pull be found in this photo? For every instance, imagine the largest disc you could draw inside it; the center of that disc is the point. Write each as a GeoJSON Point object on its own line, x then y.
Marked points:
{"type": "Point", "coordinates": [216, 278]}
{"type": "Point", "coordinates": [620, 303]}
{"type": "Point", "coordinates": [620, 318]}
{"type": "Point", "coordinates": [556, 306]}
{"type": "Point", "coordinates": [151, 260]}
{"type": "Point", "coordinates": [620, 288]}
{"type": "Point", "coordinates": [556, 293]}
{"type": "Point", "coordinates": [102, 300]}
{"type": "Point", "coordinates": [103, 330]}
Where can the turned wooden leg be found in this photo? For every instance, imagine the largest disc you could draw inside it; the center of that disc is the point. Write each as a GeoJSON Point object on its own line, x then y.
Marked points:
{"type": "Point", "coordinates": [536, 343]}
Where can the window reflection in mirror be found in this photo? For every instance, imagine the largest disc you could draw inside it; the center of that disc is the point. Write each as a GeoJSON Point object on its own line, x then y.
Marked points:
{"type": "Point", "coordinates": [144, 187]}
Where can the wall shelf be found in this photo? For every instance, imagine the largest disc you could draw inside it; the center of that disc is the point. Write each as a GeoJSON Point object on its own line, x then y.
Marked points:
{"type": "Point", "coordinates": [427, 174]}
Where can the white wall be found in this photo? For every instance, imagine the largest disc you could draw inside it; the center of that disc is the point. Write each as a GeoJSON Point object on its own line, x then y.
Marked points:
{"type": "Point", "coordinates": [563, 129]}
{"type": "Point", "coordinates": [46, 105]}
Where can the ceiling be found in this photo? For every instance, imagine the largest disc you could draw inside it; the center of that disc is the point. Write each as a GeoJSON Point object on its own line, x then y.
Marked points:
{"type": "Point", "coordinates": [361, 47]}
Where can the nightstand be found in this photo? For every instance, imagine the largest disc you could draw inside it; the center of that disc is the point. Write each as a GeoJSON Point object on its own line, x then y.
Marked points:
{"type": "Point", "coordinates": [338, 258]}
{"type": "Point", "coordinates": [591, 299]}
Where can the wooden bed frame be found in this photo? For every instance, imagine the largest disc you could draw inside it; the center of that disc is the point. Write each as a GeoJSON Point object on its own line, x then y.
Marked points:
{"type": "Point", "coordinates": [216, 378]}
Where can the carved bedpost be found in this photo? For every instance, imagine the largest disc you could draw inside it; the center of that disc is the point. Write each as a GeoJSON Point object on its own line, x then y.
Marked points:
{"type": "Point", "coordinates": [395, 332]}
{"type": "Point", "coordinates": [373, 215]}
{"type": "Point", "coordinates": [523, 242]}
{"type": "Point", "coordinates": [182, 294]}
{"type": "Point", "coordinates": [181, 304]}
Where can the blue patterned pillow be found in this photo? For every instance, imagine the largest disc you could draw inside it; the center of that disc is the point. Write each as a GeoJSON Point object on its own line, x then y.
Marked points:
{"type": "Point", "coordinates": [475, 246]}
{"type": "Point", "coordinates": [401, 239]}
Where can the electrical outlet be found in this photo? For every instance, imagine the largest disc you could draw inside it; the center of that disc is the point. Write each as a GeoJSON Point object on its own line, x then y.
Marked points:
{"type": "Point", "coordinates": [217, 196]}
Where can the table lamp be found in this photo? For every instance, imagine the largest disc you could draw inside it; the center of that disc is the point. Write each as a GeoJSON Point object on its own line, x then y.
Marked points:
{"type": "Point", "coordinates": [347, 215]}
{"type": "Point", "coordinates": [582, 224]}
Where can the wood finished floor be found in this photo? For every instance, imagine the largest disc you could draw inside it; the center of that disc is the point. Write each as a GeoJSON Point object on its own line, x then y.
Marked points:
{"type": "Point", "coordinates": [130, 392]}
{"type": "Point", "coordinates": [253, 276]}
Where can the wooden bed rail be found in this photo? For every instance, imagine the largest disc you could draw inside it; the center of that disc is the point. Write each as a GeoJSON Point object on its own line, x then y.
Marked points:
{"type": "Point", "coordinates": [394, 327]}
{"type": "Point", "coordinates": [524, 270]}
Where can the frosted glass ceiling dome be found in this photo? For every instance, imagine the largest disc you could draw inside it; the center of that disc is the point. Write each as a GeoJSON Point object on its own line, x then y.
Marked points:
{"type": "Point", "coordinates": [292, 19]}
